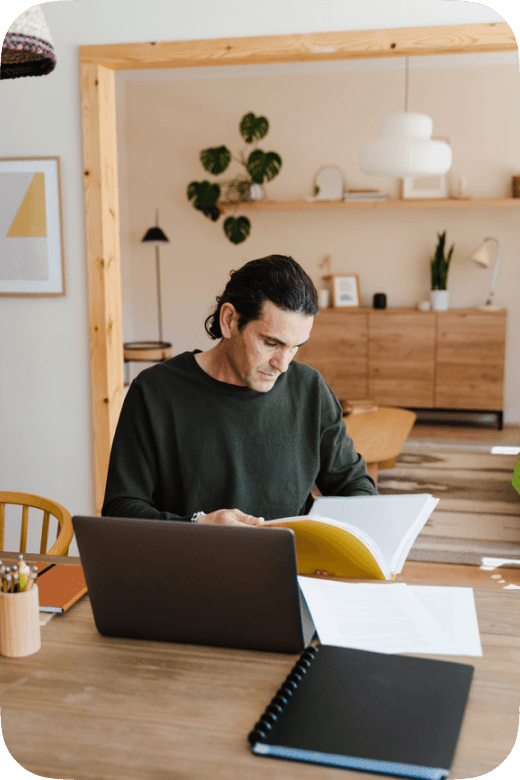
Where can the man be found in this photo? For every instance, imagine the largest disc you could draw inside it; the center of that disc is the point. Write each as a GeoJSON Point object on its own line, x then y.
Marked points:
{"type": "Point", "coordinates": [240, 425]}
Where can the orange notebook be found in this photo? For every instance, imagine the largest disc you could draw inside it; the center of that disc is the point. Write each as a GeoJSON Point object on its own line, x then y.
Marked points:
{"type": "Point", "coordinates": [59, 586]}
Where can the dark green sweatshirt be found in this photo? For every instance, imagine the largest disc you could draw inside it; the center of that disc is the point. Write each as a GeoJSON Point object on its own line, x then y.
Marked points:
{"type": "Point", "coordinates": [186, 442]}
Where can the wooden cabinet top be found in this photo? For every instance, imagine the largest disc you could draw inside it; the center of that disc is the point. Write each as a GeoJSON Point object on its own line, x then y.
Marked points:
{"type": "Point", "coordinates": [350, 310]}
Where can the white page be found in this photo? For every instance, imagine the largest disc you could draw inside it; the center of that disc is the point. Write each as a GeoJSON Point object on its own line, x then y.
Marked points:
{"type": "Point", "coordinates": [387, 519]}
{"type": "Point", "coordinates": [382, 618]}
{"type": "Point", "coordinates": [454, 611]}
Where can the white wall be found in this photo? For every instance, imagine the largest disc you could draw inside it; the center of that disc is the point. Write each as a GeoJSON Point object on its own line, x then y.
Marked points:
{"type": "Point", "coordinates": [45, 427]}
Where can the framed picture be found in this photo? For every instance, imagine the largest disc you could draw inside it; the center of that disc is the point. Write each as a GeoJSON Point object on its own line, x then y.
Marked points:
{"type": "Point", "coordinates": [428, 187]}
{"type": "Point", "coordinates": [31, 236]}
{"type": "Point", "coordinates": [345, 290]}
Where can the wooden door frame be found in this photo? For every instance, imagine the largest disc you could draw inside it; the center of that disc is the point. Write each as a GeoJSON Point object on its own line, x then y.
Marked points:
{"type": "Point", "coordinates": [97, 68]}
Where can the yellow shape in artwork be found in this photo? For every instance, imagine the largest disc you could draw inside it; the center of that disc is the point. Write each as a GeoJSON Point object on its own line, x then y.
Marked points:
{"type": "Point", "coordinates": [31, 220]}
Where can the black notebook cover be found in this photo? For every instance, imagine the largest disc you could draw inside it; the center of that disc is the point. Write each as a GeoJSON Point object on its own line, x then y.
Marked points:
{"type": "Point", "coordinates": [393, 714]}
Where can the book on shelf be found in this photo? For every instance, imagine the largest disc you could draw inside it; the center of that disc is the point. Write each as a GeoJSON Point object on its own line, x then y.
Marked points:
{"type": "Point", "coordinates": [365, 195]}
{"type": "Point", "coordinates": [59, 586]}
{"type": "Point", "coordinates": [355, 709]}
{"type": "Point", "coordinates": [358, 536]}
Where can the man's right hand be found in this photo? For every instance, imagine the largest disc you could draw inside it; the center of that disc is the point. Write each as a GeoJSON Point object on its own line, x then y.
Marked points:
{"type": "Point", "coordinates": [230, 517]}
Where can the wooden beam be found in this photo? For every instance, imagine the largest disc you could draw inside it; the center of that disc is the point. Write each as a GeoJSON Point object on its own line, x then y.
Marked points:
{"type": "Point", "coordinates": [356, 44]}
{"type": "Point", "coordinates": [100, 159]}
{"type": "Point", "coordinates": [103, 261]}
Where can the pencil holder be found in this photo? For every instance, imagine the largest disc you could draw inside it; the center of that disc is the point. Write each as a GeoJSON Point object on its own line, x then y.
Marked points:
{"type": "Point", "coordinates": [19, 623]}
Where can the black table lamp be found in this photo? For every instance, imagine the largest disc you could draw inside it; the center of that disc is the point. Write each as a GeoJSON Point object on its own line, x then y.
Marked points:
{"type": "Point", "coordinates": [151, 351]}
{"type": "Point", "coordinates": [156, 237]}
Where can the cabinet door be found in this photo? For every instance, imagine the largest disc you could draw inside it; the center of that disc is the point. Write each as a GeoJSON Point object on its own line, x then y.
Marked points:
{"type": "Point", "coordinates": [470, 359]}
{"type": "Point", "coordinates": [401, 348]}
{"type": "Point", "coordinates": [337, 348]}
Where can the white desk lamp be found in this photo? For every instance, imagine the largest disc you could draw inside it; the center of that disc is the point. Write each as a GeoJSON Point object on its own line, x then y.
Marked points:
{"type": "Point", "coordinates": [481, 258]}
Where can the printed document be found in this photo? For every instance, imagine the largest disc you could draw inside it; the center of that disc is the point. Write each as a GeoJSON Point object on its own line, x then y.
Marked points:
{"type": "Point", "coordinates": [453, 609]}
{"type": "Point", "coordinates": [393, 617]}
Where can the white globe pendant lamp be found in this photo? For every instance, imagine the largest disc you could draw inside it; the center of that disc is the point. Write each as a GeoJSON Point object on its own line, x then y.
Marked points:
{"type": "Point", "coordinates": [406, 149]}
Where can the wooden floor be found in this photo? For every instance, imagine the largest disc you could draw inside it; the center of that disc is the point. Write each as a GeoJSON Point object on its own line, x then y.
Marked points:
{"type": "Point", "coordinates": [508, 436]}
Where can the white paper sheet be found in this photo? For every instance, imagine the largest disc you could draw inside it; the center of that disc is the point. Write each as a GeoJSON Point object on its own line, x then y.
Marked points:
{"type": "Point", "coordinates": [454, 610]}
{"type": "Point", "coordinates": [383, 618]}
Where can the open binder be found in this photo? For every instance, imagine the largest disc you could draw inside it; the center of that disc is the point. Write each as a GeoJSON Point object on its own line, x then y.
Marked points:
{"type": "Point", "coordinates": [354, 709]}
{"type": "Point", "coordinates": [358, 536]}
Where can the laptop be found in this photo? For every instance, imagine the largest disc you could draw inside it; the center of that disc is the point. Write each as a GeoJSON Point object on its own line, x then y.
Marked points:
{"type": "Point", "coordinates": [199, 584]}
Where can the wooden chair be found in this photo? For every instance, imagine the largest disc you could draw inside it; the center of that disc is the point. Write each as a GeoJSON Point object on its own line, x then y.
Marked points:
{"type": "Point", "coordinates": [25, 500]}
{"type": "Point", "coordinates": [379, 435]}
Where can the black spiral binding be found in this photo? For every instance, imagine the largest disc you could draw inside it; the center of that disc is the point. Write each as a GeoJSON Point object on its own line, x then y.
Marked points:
{"type": "Point", "coordinates": [261, 730]}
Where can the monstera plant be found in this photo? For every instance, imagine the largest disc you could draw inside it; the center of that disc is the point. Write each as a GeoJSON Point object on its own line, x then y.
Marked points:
{"type": "Point", "coordinates": [259, 166]}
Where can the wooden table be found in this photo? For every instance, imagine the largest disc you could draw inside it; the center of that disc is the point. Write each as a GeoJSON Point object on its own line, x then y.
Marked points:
{"type": "Point", "coordinates": [90, 707]}
{"type": "Point", "coordinates": [379, 435]}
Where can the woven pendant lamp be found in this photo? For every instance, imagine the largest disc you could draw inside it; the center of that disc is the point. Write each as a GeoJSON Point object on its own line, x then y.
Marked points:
{"type": "Point", "coordinates": [27, 49]}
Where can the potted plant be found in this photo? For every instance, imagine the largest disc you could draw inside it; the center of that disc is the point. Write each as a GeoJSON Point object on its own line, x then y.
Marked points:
{"type": "Point", "coordinates": [259, 166]}
{"type": "Point", "coordinates": [439, 265]}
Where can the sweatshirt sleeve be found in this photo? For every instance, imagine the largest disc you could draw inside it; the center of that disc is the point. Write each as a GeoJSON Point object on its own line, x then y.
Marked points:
{"type": "Point", "coordinates": [133, 473]}
{"type": "Point", "coordinates": [343, 470]}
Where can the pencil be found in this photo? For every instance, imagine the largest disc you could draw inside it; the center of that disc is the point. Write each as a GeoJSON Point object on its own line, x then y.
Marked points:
{"type": "Point", "coordinates": [7, 584]}
{"type": "Point", "coordinates": [23, 570]}
{"type": "Point", "coordinates": [32, 579]}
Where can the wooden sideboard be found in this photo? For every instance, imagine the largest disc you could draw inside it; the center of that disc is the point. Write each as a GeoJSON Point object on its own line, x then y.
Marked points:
{"type": "Point", "coordinates": [405, 357]}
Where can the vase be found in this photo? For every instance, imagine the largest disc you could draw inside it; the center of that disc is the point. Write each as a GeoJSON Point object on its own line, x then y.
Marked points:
{"type": "Point", "coordinates": [256, 192]}
{"type": "Point", "coordinates": [439, 299]}
{"type": "Point", "coordinates": [323, 298]}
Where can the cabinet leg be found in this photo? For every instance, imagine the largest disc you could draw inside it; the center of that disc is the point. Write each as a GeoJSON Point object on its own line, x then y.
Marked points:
{"type": "Point", "coordinates": [500, 420]}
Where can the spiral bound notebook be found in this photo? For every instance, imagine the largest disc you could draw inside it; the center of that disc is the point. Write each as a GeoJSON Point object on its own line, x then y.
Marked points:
{"type": "Point", "coordinates": [354, 709]}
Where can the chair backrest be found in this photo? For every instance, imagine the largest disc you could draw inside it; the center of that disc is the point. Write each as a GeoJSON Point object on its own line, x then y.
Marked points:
{"type": "Point", "coordinates": [48, 507]}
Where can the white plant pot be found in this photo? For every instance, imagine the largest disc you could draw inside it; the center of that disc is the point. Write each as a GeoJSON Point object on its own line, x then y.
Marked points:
{"type": "Point", "coordinates": [439, 299]}
{"type": "Point", "coordinates": [323, 299]}
{"type": "Point", "coordinates": [256, 192]}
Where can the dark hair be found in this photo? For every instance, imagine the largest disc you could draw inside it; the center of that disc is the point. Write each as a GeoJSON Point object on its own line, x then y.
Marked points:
{"type": "Point", "coordinates": [275, 278]}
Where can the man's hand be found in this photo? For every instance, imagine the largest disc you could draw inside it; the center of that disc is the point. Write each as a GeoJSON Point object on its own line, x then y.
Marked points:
{"type": "Point", "coordinates": [230, 517]}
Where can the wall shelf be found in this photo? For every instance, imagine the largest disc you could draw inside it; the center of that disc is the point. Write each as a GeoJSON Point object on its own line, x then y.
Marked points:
{"type": "Point", "coordinates": [404, 204]}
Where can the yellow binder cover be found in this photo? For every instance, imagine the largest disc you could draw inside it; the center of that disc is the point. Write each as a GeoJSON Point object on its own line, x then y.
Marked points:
{"type": "Point", "coordinates": [328, 548]}
{"type": "Point", "coordinates": [358, 536]}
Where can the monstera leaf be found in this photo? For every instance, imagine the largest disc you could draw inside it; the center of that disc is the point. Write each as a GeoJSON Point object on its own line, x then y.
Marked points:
{"type": "Point", "coordinates": [204, 196]}
{"type": "Point", "coordinates": [237, 229]}
{"type": "Point", "coordinates": [263, 165]}
{"type": "Point", "coordinates": [259, 167]}
{"type": "Point", "coordinates": [216, 159]}
{"type": "Point", "coordinates": [252, 127]}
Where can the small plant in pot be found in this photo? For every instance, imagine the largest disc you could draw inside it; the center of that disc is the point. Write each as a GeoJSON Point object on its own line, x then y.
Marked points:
{"type": "Point", "coordinates": [259, 167]}
{"type": "Point", "coordinates": [440, 265]}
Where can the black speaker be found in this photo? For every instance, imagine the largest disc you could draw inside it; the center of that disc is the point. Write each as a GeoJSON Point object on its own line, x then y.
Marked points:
{"type": "Point", "coordinates": [379, 301]}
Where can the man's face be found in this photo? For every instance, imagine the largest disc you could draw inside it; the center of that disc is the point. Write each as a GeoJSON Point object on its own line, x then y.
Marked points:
{"type": "Point", "coordinates": [263, 349]}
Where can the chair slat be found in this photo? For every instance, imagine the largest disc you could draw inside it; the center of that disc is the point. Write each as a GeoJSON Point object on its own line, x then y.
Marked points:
{"type": "Point", "coordinates": [2, 525]}
{"type": "Point", "coordinates": [23, 535]}
{"type": "Point", "coordinates": [45, 532]}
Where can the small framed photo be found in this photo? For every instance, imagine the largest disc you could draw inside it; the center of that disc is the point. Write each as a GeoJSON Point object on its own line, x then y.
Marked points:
{"type": "Point", "coordinates": [427, 187]}
{"type": "Point", "coordinates": [345, 290]}
{"type": "Point", "coordinates": [31, 236]}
